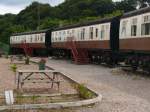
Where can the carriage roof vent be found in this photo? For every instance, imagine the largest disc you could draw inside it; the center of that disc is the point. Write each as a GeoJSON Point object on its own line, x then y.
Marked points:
{"type": "Point", "coordinates": [140, 5]}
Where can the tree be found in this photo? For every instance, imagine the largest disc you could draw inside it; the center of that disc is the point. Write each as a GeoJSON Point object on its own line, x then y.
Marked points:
{"type": "Point", "coordinates": [68, 12]}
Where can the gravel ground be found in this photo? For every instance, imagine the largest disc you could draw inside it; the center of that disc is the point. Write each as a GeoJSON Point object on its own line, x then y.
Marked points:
{"type": "Point", "coordinates": [6, 76]}
{"type": "Point", "coordinates": [7, 79]}
{"type": "Point", "coordinates": [121, 92]}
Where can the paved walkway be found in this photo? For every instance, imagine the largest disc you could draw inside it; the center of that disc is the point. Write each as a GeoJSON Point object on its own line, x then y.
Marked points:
{"type": "Point", "coordinates": [121, 93]}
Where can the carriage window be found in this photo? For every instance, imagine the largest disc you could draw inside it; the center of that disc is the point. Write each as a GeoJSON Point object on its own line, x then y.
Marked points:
{"type": "Point", "coordinates": [31, 39]}
{"type": "Point", "coordinates": [82, 34]}
{"type": "Point", "coordinates": [11, 40]}
{"type": "Point", "coordinates": [145, 28]}
{"type": "Point", "coordinates": [91, 32]}
{"type": "Point", "coordinates": [53, 35]}
{"type": "Point", "coordinates": [41, 39]}
{"type": "Point", "coordinates": [64, 34]}
{"type": "Point", "coordinates": [78, 34]}
{"type": "Point", "coordinates": [35, 38]}
{"type": "Point", "coordinates": [124, 30]}
{"type": "Point", "coordinates": [38, 37]}
{"type": "Point", "coordinates": [146, 19]}
{"type": "Point", "coordinates": [96, 31]}
{"type": "Point", "coordinates": [134, 27]}
{"type": "Point", "coordinates": [59, 33]}
{"type": "Point", "coordinates": [102, 32]}
{"type": "Point", "coordinates": [133, 30]}
{"type": "Point", "coordinates": [72, 31]}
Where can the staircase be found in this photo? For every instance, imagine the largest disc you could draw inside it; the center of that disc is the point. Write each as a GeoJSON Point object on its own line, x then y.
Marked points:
{"type": "Point", "coordinates": [80, 56]}
{"type": "Point", "coordinates": [27, 49]}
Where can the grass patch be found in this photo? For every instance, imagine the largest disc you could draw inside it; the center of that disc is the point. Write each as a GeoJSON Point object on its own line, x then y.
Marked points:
{"type": "Point", "coordinates": [35, 99]}
{"type": "Point", "coordinates": [84, 92]}
{"type": "Point", "coordinates": [13, 67]}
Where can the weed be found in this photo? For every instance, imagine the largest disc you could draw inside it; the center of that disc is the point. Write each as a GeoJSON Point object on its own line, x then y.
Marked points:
{"type": "Point", "coordinates": [19, 98]}
{"type": "Point", "coordinates": [84, 92]}
{"type": "Point", "coordinates": [27, 60]}
{"type": "Point", "coordinates": [13, 67]}
{"type": "Point", "coordinates": [34, 98]}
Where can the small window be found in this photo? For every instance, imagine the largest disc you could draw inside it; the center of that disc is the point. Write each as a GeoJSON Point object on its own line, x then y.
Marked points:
{"type": "Point", "coordinates": [133, 30]}
{"type": "Point", "coordinates": [124, 30]}
{"type": "Point", "coordinates": [41, 39]}
{"type": "Point", "coordinates": [96, 32]}
{"type": "Point", "coordinates": [53, 34]}
{"type": "Point", "coordinates": [82, 34]}
{"type": "Point", "coordinates": [31, 39]}
{"type": "Point", "coordinates": [38, 37]}
{"type": "Point", "coordinates": [102, 32]}
{"type": "Point", "coordinates": [134, 27]}
{"type": "Point", "coordinates": [35, 38]}
{"type": "Point", "coordinates": [91, 32]}
{"type": "Point", "coordinates": [79, 34]}
{"type": "Point", "coordinates": [72, 31]}
{"type": "Point", "coordinates": [146, 19]}
{"type": "Point", "coordinates": [145, 28]}
{"type": "Point", "coordinates": [10, 39]}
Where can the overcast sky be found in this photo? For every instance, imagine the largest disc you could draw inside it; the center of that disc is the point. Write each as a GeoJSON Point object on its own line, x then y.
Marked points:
{"type": "Point", "coordinates": [15, 6]}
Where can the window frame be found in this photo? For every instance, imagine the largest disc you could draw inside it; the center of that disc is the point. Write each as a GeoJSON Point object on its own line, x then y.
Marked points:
{"type": "Point", "coordinates": [91, 32]}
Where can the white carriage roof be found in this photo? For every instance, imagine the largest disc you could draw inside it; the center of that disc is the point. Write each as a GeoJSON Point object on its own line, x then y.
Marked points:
{"type": "Point", "coordinates": [104, 20]}
{"type": "Point", "coordinates": [32, 32]}
{"type": "Point", "coordinates": [136, 12]}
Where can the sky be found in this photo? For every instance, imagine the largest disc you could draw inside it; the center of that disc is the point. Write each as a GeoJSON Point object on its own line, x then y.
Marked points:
{"type": "Point", "coordinates": [15, 6]}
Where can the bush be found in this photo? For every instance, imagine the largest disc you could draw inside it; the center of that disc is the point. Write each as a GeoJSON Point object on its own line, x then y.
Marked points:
{"type": "Point", "coordinates": [14, 67]}
{"type": "Point", "coordinates": [84, 92]}
{"type": "Point", "coordinates": [34, 98]}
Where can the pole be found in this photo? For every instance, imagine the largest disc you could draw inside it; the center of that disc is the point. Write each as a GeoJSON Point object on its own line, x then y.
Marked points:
{"type": "Point", "coordinates": [38, 13]}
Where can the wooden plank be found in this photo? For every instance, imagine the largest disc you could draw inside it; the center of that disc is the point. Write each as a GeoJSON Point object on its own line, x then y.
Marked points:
{"type": "Point", "coordinates": [41, 81]}
{"type": "Point", "coordinates": [18, 82]}
{"type": "Point", "coordinates": [37, 71]}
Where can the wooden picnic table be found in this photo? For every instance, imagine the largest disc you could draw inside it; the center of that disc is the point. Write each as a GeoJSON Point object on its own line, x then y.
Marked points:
{"type": "Point", "coordinates": [53, 78]}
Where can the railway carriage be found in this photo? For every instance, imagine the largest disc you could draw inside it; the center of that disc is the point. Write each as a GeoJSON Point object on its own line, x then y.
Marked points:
{"type": "Point", "coordinates": [100, 40]}
{"type": "Point", "coordinates": [37, 41]}
{"type": "Point", "coordinates": [135, 38]}
{"type": "Point", "coordinates": [109, 40]}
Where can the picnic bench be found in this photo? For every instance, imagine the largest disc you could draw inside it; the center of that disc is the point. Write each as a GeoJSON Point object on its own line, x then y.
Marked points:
{"type": "Point", "coordinates": [50, 76]}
